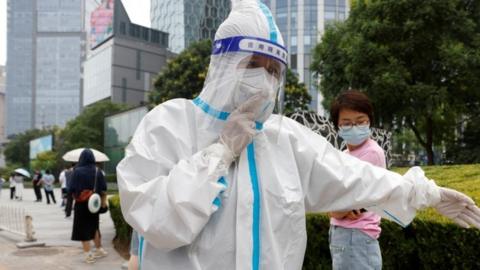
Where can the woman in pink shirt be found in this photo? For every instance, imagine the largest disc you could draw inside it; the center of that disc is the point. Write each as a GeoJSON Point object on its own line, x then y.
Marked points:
{"type": "Point", "coordinates": [353, 234]}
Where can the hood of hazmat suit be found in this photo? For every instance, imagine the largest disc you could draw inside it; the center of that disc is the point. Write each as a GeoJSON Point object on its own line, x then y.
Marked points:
{"type": "Point", "coordinates": [194, 209]}
{"type": "Point", "coordinates": [248, 58]}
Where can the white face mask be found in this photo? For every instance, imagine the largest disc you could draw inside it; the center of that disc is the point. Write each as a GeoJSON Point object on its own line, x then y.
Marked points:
{"type": "Point", "coordinates": [252, 82]}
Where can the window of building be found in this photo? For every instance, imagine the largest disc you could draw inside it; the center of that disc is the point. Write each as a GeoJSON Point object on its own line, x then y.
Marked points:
{"type": "Point", "coordinates": [293, 41]}
{"type": "Point", "coordinates": [123, 28]}
{"type": "Point", "coordinates": [138, 64]}
{"type": "Point", "coordinates": [165, 40]}
{"type": "Point", "coordinates": [131, 30]}
{"type": "Point", "coordinates": [145, 34]}
{"type": "Point", "coordinates": [124, 90]}
{"type": "Point", "coordinates": [155, 37]}
{"type": "Point", "coordinates": [293, 61]}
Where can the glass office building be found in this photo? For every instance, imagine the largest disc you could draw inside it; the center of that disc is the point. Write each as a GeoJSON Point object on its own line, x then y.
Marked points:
{"type": "Point", "coordinates": [302, 24]}
{"type": "Point", "coordinates": [119, 129]}
{"type": "Point", "coordinates": [43, 63]}
{"type": "Point", "coordinates": [2, 107]}
{"type": "Point", "coordinates": [187, 21]}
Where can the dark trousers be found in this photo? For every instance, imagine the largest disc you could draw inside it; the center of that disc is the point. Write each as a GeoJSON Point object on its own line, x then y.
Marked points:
{"type": "Point", "coordinates": [12, 193]}
{"type": "Point", "coordinates": [68, 207]}
{"type": "Point", "coordinates": [49, 193]}
{"type": "Point", "coordinates": [64, 196]}
{"type": "Point", "coordinates": [38, 190]}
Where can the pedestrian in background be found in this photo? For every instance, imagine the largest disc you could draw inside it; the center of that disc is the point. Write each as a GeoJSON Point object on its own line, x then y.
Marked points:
{"type": "Point", "coordinates": [37, 176]}
{"type": "Point", "coordinates": [19, 186]}
{"type": "Point", "coordinates": [48, 180]}
{"type": "Point", "coordinates": [12, 185]}
{"type": "Point", "coordinates": [68, 179]}
{"type": "Point", "coordinates": [86, 177]}
{"type": "Point", "coordinates": [2, 181]}
{"type": "Point", "coordinates": [353, 234]}
{"type": "Point", "coordinates": [63, 185]}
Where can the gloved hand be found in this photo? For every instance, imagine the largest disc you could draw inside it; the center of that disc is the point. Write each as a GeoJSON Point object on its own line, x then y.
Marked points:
{"type": "Point", "coordinates": [458, 207]}
{"type": "Point", "coordinates": [239, 129]}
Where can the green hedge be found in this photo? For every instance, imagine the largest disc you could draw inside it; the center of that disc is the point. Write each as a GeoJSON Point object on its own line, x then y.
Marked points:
{"type": "Point", "coordinates": [111, 178]}
{"type": "Point", "coordinates": [422, 245]}
{"type": "Point", "coordinates": [123, 231]}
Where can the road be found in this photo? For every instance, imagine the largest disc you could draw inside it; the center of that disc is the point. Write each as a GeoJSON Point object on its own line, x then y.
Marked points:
{"type": "Point", "coordinates": [54, 230]}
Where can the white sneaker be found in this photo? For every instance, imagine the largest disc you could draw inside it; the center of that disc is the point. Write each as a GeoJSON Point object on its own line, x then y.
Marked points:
{"type": "Point", "coordinates": [89, 258]}
{"type": "Point", "coordinates": [99, 253]}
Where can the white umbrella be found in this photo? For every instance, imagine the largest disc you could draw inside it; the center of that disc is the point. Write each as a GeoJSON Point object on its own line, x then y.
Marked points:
{"type": "Point", "coordinates": [23, 172]}
{"type": "Point", "coordinates": [74, 155]}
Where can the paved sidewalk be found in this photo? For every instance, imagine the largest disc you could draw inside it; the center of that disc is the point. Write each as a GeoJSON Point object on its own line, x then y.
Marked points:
{"type": "Point", "coordinates": [54, 230]}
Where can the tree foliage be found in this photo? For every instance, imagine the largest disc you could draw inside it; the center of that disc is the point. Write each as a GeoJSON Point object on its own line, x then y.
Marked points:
{"type": "Point", "coordinates": [45, 161]}
{"type": "Point", "coordinates": [465, 149]}
{"type": "Point", "coordinates": [17, 151]}
{"type": "Point", "coordinates": [417, 60]}
{"type": "Point", "coordinates": [297, 97]}
{"type": "Point", "coordinates": [87, 129]}
{"type": "Point", "coordinates": [184, 77]}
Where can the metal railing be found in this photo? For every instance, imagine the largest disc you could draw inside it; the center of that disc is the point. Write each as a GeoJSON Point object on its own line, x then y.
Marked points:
{"type": "Point", "coordinates": [15, 220]}
{"type": "Point", "coordinates": [321, 125]}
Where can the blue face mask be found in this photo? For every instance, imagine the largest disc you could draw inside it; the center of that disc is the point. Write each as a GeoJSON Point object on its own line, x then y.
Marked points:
{"type": "Point", "coordinates": [355, 135]}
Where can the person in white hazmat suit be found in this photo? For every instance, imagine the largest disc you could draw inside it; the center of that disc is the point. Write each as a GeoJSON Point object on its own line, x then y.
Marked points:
{"type": "Point", "coordinates": [219, 183]}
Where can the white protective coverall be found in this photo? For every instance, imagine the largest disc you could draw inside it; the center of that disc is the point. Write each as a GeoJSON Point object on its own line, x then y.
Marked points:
{"type": "Point", "coordinates": [196, 209]}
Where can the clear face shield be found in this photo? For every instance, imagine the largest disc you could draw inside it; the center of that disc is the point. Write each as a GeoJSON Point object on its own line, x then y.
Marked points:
{"type": "Point", "coordinates": [240, 68]}
{"type": "Point", "coordinates": [259, 75]}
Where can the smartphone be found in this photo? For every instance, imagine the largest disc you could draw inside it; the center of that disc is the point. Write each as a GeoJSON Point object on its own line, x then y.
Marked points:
{"type": "Point", "coordinates": [363, 210]}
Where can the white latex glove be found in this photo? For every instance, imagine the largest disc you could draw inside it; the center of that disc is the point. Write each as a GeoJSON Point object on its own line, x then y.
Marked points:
{"type": "Point", "coordinates": [239, 129]}
{"type": "Point", "coordinates": [458, 207]}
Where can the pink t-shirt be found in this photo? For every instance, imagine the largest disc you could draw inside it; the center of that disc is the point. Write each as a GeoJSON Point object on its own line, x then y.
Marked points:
{"type": "Point", "coordinates": [368, 222]}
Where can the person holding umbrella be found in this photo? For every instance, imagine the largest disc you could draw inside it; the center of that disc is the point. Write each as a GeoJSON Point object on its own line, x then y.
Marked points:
{"type": "Point", "coordinates": [73, 157]}
{"type": "Point", "coordinates": [19, 177]}
{"type": "Point", "coordinates": [86, 177]}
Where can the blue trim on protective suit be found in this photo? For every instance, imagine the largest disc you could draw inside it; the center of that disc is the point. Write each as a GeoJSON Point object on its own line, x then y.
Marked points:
{"type": "Point", "coordinates": [222, 181]}
{"type": "Point", "coordinates": [209, 110]}
{"type": "Point", "coordinates": [256, 206]}
{"type": "Point", "coordinates": [232, 44]}
{"type": "Point", "coordinates": [395, 219]}
{"type": "Point", "coordinates": [271, 22]}
{"type": "Point", "coordinates": [140, 252]}
{"type": "Point", "coordinates": [216, 113]}
{"type": "Point", "coordinates": [253, 45]}
{"type": "Point", "coordinates": [217, 202]}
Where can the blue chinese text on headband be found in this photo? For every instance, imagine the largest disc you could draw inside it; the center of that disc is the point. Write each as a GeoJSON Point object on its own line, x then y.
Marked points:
{"type": "Point", "coordinates": [250, 44]}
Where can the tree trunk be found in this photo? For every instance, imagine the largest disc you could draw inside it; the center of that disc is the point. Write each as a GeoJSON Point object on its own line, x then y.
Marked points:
{"type": "Point", "coordinates": [429, 142]}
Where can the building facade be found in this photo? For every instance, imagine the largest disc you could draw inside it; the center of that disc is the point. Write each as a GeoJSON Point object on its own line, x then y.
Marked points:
{"type": "Point", "coordinates": [43, 63]}
{"type": "Point", "coordinates": [2, 105]}
{"type": "Point", "coordinates": [123, 58]}
{"type": "Point", "coordinates": [2, 116]}
{"type": "Point", "coordinates": [187, 21]}
{"type": "Point", "coordinates": [302, 24]}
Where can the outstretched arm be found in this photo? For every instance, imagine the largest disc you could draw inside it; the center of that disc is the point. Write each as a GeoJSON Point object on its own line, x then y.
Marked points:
{"type": "Point", "coordinates": [335, 181]}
